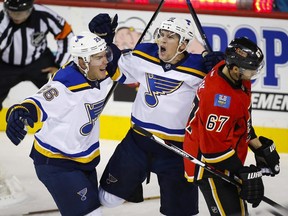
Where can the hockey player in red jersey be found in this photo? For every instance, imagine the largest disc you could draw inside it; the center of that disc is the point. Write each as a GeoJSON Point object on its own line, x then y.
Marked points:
{"type": "Point", "coordinates": [219, 133]}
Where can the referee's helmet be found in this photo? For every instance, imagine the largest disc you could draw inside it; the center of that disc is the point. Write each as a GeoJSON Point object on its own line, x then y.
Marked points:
{"type": "Point", "coordinates": [18, 5]}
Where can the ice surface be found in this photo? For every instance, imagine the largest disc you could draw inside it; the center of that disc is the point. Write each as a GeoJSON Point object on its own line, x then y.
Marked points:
{"type": "Point", "coordinates": [16, 161]}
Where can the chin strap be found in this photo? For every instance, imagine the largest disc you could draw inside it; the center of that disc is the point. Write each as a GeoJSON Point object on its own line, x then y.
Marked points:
{"type": "Point", "coordinates": [236, 81]}
{"type": "Point", "coordinates": [86, 71]}
{"type": "Point", "coordinates": [176, 54]}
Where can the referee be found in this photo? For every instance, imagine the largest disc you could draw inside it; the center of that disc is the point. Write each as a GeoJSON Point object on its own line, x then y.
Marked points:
{"type": "Point", "coordinates": [24, 54]}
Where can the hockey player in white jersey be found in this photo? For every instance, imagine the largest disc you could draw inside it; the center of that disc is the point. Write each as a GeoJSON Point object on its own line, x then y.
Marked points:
{"type": "Point", "coordinates": [66, 148]}
{"type": "Point", "coordinates": [168, 77]}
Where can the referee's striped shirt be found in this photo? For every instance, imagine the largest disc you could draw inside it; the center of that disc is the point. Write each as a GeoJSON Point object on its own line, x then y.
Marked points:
{"type": "Point", "coordinates": [23, 44]}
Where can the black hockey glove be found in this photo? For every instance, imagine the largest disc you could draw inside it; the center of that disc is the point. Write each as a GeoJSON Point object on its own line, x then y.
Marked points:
{"type": "Point", "coordinates": [252, 188]}
{"type": "Point", "coordinates": [267, 157]}
{"type": "Point", "coordinates": [104, 26]}
{"type": "Point", "coordinates": [211, 59]}
{"type": "Point", "coordinates": [112, 65]}
{"type": "Point", "coordinates": [17, 118]}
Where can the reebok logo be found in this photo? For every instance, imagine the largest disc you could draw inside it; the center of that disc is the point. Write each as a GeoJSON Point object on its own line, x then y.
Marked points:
{"type": "Point", "coordinates": [254, 175]}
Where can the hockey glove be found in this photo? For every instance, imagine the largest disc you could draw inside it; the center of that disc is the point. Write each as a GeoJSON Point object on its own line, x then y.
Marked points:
{"type": "Point", "coordinates": [17, 118]}
{"type": "Point", "coordinates": [267, 157]}
{"type": "Point", "coordinates": [211, 59]}
{"type": "Point", "coordinates": [252, 188]}
{"type": "Point", "coordinates": [112, 65]}
{"type": "Point", "coordinates": [104, 26]}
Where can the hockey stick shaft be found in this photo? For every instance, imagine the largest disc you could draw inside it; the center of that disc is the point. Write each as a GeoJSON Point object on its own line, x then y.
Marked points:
{"type": "Point", "coordinates": [210, 169]}
{"type": "Point", "coordinates": [139, 41]}
{"type": "Point", "coordinates": [184, 154]}
{"type": "Point", "coordinates": [199, 26]}
{"type": "Point", "coordinates": [151, 21]}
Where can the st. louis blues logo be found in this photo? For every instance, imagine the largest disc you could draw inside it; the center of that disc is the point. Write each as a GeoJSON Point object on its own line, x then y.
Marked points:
{"type": "Point", "coordinates": [82, 194]}
{"type": "Point", "coordinates": [157, 86]}
{"type": "Point", "coordinates": [93, 111]}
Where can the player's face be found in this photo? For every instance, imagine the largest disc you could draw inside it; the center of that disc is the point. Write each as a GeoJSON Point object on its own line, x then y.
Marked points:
{"type": "Point", "coordinates": [168, 43]}
{"type": "Point", "coordinates": [247, 74]}
{"type": "Point", "coordinates": [97, 66]}
{"type": "Point", "coordinates": [19, 17]}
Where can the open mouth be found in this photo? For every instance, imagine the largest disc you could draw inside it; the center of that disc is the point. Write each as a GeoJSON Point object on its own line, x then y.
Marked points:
{"type": "Point", "coordinates": [162, 50]}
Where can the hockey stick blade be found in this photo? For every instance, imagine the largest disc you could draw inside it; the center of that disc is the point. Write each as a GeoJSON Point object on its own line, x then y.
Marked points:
{"type": "Point", "coordinates": [275, 213]}
{"type": "Point", "coordinates": [210, 169]}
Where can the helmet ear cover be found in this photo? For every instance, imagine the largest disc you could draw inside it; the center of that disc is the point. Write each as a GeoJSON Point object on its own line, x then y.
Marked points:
{"type": "Point", "coordinates": [230, 66]}
{"type": "Point", "coordinates": [18, 5]}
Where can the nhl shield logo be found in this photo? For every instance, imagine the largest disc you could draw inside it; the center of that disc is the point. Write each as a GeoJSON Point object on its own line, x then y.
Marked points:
{"type": "Point", "coordinates": [37, 38]}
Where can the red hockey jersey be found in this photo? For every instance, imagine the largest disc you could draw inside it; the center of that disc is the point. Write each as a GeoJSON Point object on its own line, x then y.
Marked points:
{"type": "Point", "coordinates": [219, 123]}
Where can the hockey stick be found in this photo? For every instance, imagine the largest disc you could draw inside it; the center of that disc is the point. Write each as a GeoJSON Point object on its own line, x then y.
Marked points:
{"type": "Point", "coordinates": [139, 41]}
{"type": "Point", "coordinates": [273, 212]}
{"type": "Point", "coordinates": [210, 169]}
{"type": "Point", "coordinates": [199, 27]}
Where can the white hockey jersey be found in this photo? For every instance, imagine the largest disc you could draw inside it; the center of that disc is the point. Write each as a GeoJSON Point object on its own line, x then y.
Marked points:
{"type": "Point", "coordinates": [166, 92]}
{"type": "Point", "coordinates": [69, 107]}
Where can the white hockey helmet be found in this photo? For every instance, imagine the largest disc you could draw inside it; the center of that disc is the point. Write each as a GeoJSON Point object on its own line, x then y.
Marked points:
{"type": "Point", "coordinates": [86, 44]}
{"type": "Point", "coordinates": [182, 27]}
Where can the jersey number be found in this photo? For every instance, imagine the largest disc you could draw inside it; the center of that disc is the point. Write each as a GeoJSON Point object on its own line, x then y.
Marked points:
{"type": "Point", "coordinates": [213, 120]}
{"type": "Point", "coordinates": [50, 94]}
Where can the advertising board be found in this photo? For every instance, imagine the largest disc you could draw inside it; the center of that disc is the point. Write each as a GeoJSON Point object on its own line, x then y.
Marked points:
{"type": "Point", "coordinates": [269, 91]}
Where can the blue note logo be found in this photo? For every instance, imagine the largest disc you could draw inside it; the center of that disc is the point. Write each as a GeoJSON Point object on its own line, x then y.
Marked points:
{"type": "Point", "coordinates": [111, 179]}
{"type": "Point", "coordinates": [157, 86]}
{"type": "Point", "coordinates": [82, 194]}
{"type": "Point", "coordinates": [93, 112]}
